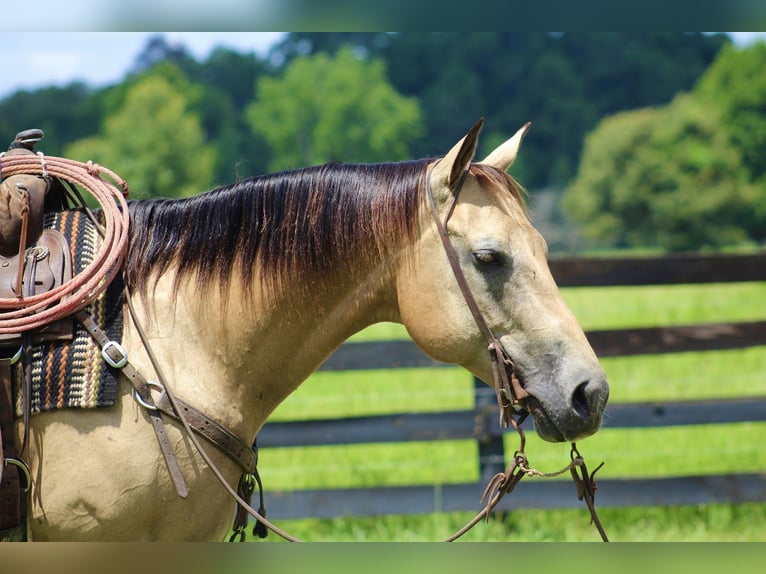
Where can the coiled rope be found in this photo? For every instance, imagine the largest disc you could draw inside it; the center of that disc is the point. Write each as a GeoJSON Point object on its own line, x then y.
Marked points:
{"type": "Point", "coordinates": [21, 314]}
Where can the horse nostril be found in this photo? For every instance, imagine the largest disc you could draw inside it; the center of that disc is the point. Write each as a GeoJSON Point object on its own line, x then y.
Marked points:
{"type": "Point", "coordinates": [580, 403]}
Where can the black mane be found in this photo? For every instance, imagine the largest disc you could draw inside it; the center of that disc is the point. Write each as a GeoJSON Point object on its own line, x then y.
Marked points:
{"type": "Point", "coordinates": [291, 225]}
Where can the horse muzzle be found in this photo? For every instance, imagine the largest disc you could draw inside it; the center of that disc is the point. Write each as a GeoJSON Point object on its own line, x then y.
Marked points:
{"type": "Point", "coordinates": [568, 413]}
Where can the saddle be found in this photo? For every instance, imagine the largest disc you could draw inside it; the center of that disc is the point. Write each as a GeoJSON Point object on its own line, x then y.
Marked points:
{"type": "Point", "coordinates": [33, 260]}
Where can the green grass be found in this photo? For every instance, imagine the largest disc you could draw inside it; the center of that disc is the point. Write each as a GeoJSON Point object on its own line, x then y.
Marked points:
{"type": "Point", "coordinates": [647, 306]}
{"type": "Point", "coordinates": [655, 452]}
{"type": "Point", "coordinates": [705, 523]}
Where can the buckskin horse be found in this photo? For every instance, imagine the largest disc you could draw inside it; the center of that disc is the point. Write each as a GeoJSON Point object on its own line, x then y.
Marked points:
{"type": "Point", "coordinates": [241, 292]}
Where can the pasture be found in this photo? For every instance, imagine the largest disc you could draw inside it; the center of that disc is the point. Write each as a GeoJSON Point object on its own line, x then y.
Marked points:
{"type": "Point", "coordinates": [655, 452]}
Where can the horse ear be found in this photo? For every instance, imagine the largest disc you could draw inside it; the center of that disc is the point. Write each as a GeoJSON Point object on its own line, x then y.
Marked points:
{"type": "Point", "coordinates": [448, 170]}
{"type": "Point", "coordinates": [505, 154]}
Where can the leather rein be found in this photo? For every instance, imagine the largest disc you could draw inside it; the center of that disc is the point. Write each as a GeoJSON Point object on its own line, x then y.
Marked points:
{"type": "Point", "coordinates": [509, 392]}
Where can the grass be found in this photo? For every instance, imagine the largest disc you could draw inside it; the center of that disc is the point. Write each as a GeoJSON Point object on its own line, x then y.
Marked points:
{"type": "Point", "coordinates": [655, 452]}
{"type": "Point", "coordinates": [647, 306]}
{"type": "Point", "coordinates": [707, 523]}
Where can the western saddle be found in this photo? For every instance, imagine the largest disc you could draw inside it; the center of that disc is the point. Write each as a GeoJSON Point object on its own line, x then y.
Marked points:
{"type": "Point", "coordinates": [33, 260]}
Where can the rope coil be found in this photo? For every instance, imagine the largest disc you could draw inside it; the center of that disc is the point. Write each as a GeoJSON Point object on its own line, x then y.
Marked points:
{"type": "Point", "coordinates": [18, 315]}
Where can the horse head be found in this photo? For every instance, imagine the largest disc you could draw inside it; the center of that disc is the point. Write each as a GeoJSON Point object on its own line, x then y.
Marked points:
{"type": "Point", "coordinates": [503, 260]}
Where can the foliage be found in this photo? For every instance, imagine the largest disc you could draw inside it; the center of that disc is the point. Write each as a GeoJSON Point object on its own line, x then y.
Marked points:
{"type": "Point", "coordinates": [330, 109]}
{"type": "Point", "coordinates": [735, 84]}
{"type": "Point", "coordinates": [683, 176]}
{"type": "Point", "coordinates": [225, 82]}
{"type": "Point", "coordinates": [64, 114]}
{"type": "Point", "coordinates": [564, 83]}
{"type": "Point", "coordinates": [152, 141]}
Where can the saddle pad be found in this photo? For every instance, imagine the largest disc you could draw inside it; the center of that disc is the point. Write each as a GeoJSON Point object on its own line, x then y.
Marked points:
{"type": "Point", "coordinates": [73, 374]}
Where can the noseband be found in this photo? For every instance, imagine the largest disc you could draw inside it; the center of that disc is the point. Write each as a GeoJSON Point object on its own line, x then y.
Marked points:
{"type": "Point", "coordinates": [508, 389]}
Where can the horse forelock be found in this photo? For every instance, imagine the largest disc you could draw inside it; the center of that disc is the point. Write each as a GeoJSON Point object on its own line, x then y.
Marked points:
{"type": "Point", "coordinates": [493, 179]}
{"type": "Point", "coordinates": [291, 226]}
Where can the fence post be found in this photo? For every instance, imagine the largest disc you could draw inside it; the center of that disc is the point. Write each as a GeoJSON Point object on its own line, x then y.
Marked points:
{"type": "Point", "coordinates": [491, 449]}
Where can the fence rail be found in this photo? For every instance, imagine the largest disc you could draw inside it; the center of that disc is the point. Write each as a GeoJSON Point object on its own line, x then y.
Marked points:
{"type": "Point", "coordinates": [480, 423]}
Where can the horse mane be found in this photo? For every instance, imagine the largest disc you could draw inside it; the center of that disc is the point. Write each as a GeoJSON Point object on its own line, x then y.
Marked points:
{"type": "Point", "coordinates": [293, 225]}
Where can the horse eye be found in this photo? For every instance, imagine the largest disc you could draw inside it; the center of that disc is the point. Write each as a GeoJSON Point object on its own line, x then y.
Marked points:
{"type": "Point", "coordinates": [486, 257]}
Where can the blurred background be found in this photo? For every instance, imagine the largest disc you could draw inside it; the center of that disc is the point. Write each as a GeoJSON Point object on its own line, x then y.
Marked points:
{"type": "Point", "coordinates": [605, 108]}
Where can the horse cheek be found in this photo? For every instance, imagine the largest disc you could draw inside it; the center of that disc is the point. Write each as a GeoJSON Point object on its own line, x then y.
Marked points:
{"type": "Point", "coordinates": [437, 321]}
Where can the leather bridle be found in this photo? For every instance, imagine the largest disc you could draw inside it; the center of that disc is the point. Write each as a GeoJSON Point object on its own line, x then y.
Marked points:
{"type": "Point", "coordinates": [508, 389]}
{"type": "Point", "coordinates": [510, 393]}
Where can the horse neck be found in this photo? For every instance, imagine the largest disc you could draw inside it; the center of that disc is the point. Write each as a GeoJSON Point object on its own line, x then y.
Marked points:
{"type": "Point", "coordinates": [247, 356]}
{"type": "Point", "coordinates": [253, 346]}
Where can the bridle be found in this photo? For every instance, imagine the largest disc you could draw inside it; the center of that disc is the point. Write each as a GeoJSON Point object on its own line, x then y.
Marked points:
{"type": "Point", "coordinates": [509, 391]}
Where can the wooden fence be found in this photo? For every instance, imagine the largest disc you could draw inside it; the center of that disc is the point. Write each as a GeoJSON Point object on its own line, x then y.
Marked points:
{"type": "Point", "coordinates": [480, 423]}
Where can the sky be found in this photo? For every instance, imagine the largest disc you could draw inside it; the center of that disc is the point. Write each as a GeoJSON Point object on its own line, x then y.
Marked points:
{"type": "Point", "coordinates": [36, 59]}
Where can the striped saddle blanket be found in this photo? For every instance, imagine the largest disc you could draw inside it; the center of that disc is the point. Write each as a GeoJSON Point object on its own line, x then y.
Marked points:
{"type": "Point", "coordinates": [72, 373]}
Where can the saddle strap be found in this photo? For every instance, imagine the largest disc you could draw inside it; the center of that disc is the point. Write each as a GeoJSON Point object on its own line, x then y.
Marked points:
{"type": "Point", "coordinates": [229, 443]}
{"type": "Point", "coordinates": [112, 354]}
{"type": "Point", "coordinates": [12, 496]}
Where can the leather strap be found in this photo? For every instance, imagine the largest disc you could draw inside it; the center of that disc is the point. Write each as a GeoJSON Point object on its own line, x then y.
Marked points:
{"type": "Point", "coordinates": [217, 434]}
{"type": "Point", "coordinates": [214, 432]}
{"type": "Point", "coordinates": [12, 499]}
{"type": "Point", "coordinates": [142, 388]}
{"type": "Point", "coordinates": [508, 389]}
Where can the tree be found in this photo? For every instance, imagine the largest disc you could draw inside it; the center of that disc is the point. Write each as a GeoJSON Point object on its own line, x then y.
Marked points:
{"type": "Point", "coordinates": [735, 84]}
{"type": "Point", "coordinates": [153, 140]}
{"type": "Point", "coordinates": [332, 108]}
{"type": "Point", "coordinates": [63, 113]}
{"type": "Point", "coordinates": [156, 50]}
{"type": "Point", "coordinates": [229, 79]}
{"type": "Point", "coordinates": [666, 176]}
{"type": "Point", "coordinates": [223, 86]}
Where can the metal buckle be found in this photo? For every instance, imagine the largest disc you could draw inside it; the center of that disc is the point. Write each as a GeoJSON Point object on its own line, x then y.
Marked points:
{"type": "Point", "coordinates": [119, 363]}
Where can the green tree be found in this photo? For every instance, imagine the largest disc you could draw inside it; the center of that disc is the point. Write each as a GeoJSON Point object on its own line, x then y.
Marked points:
{"type": "Point", "coordinates": [665, 176]}
{"type": "Point", "coordinates": [63, 113]}
{"type": "Point", "coordinates": [327, 108]}
{"type": "Point", "coordinates": [562, 82]}
{"type": "Point", "coordinates": [735, 84]}
{"type": "Point", "coordinates": [153, 140]}
{"type": "Point", "coordinates": [229, 79]}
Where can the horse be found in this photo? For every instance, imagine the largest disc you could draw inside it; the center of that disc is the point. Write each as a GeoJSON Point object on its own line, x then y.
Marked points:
{"type": "Point", "coordinates": [244, 290]}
